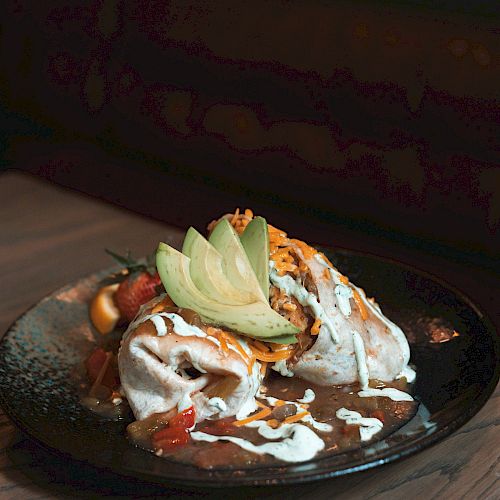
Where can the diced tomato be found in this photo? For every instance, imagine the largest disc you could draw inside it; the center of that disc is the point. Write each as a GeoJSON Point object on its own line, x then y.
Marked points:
{"type": "Point", "coordinates": [184, 420]}
{"type": "Point", "coordinates": [170, 438]}
{"type": "Point", "coordinates": [94, 364]}
{"type": "Point", "coordinates": [378, 414]}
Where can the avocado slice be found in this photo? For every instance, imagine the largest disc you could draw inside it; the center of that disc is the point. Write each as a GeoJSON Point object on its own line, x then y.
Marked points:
{"type": "Point", "coordinates": [255, 241]}
{"type": "Point", "coordinates": [257, 319]}
{"type": "Point", "coordinates": [207, 274]}
{"type": "Point", "coordinates": [235, 262]}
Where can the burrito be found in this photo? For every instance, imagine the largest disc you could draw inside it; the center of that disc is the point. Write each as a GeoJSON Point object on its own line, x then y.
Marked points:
{"type": "Point", "coordinates": [344, 336]}
{"type": "Point", "coordinates": [349, 326]}
{"type": "Point", "coordinates": [203, 361]}
{"type": "Point", "coordinates": [169, 360]}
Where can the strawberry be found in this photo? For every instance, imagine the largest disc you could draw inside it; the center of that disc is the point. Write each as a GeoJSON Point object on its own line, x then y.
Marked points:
{"type": "Point", "coordinates": [141, 284]}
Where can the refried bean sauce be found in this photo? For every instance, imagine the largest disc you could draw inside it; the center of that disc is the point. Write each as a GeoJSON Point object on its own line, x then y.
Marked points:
{"type": "Point", "coordinates": [342, 437]}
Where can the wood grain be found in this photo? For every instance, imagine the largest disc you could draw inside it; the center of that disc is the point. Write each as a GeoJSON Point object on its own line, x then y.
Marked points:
{"type": "Point", "coordinates": [50, 237]}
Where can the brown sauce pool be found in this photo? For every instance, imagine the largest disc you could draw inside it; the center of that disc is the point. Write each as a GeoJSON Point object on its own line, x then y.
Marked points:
{"type": "Point", "coordinates": [328, 400]}
{"type": "Point", "coordinates": [223, 454]}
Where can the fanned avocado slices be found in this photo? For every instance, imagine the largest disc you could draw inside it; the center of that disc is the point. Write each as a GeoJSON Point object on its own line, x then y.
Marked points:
{"type": "Point", "coordinates": [255, 241]}
{"type": "Point", "coordinates": [256, 319]}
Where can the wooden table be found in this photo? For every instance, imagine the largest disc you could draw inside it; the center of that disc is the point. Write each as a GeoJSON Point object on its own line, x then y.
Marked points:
{"type": "Point", "coordinates": [50, 236]}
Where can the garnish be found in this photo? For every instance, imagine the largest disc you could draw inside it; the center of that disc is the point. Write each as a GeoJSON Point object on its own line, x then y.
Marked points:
{"type": "Point", "coordinates": [216, 279]}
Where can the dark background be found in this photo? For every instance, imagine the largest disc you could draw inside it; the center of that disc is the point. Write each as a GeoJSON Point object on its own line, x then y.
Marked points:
{"type": "Point", "coordinates": [338, 121]}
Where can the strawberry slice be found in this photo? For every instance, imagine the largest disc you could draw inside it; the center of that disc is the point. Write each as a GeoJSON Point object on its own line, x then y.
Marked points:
{"type": "Point", "coordinates": [141, 284]}
{"type": "Point", "coordinates": [137, 289]}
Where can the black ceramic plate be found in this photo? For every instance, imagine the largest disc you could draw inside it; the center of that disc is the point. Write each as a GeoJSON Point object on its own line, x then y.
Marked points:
{"type": "Point", "coordinates": [45, 348]}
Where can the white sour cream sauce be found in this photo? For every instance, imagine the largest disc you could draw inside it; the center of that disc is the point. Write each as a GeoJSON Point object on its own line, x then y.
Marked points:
{"type": "Point", "coordinates": [299, 443]}
{"type": "Point", "coordinates": [359, 347]}
{"type": "Point", "coordinates": [181, 327]}
{"type": "Point", "coordinates": [343, 292]}
{"type": "Point", "coordinates": [309, 396]}
{"type": "Point", "coordinates": [282, 368]}
{"type": "Point", "coordinates": [408, 373]}
{"type": "Point", "coordinates": [217, 404]}
{"type": "Point", "coordinates": [363, 374]}
{"type": "Point", "coordinates": [368, 427]}
{"type": "Point", "coordinates": [294, 288]}
{"type": "Point", "coordinates": [371, 306]}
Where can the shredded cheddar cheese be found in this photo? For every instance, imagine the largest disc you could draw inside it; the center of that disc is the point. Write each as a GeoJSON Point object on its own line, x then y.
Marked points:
{"type": "Point", "coordinates": [289, 306]}
{"type": "Point", "coordinates": [271, 356]}
{"type": "Point", "coordinates": [316, 326]}
{"type": "Point", "coordinates": [235, 217]}
{"type": "Point", "coordinates": [361, 305]}
{"type": "Point", "coordinates": [250, 365]}
{"type": "Point", "coordinates": [227, 336]}
{"type": "Point", "coordinates": [263, 368]}
{"type": "Point", "coordinates": [223, 344]}
{"type": "Point", "coordinates": [258, 416]}
{"type": "Point", "coordinates": [261, 346]}
{"type": "Point", "coordinates": [296, 417]}
{"type": "Point", "coordinates": [279, 347]}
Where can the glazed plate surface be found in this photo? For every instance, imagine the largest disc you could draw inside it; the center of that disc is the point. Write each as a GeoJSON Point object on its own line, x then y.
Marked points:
{"type": "Point", "coordinates": [42, 355]}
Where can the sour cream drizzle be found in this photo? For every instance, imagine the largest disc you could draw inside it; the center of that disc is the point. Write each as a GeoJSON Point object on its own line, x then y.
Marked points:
{"type": "Point", "coordinates": [397, 333]}
{"type": "Point", "coordinates": [363, 374]}
{"type": "Point", "coordinates": [309, 396]}
{"type": "Point", "coordinates": [343, 291]}
{"type": "Point", "coordinates": [282, 368]}
{"type": "Point", "coordinates": [408, 373]}
{"type": "Point", "coordinates": [360, 354]}
{"type": "Point", "coordinates": [181, 327]}
{"type": "Point", "coordinates": [250, 405]}
{"type": "Point", "coordinates": [368, 427]}
{"type": "Point", "coordinates": [294, 288]}
{"type": "Point", "coordinates": [343, 294]}
{"type": "Point", "coordinates": [394, 329]}
{"type": "Point", "coordinates": [299, 443]}
{"type": "Point", "coordinates": [217, 404]}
